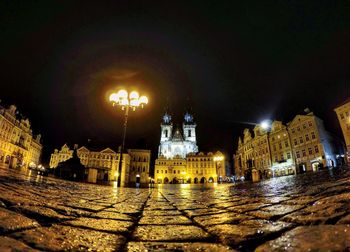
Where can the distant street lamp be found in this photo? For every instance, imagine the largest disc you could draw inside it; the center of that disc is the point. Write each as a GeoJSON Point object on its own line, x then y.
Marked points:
{"type": "Point", "coordinates": [126, 101]}
{"type": "Point", "coordinates": [217, 159]}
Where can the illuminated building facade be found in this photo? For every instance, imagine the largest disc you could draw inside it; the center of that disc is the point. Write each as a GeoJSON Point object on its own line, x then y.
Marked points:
{"type": "Point", "coordinates": [343, 114]}
{"type": "Point", "coordinates": [175, 143]}
{"type": "Point", "coordinates": [303, 145]}
{"type": "Point", "coordinates": [178, 160]}
{"type": "Point", "coordinates": [18, 146]}
{"type": "Point", "coordinates": [311, 143]}
{"type": "Point", "coordinates": [102, 165]}
{"type": "Point", "coordinates": [281, 150]}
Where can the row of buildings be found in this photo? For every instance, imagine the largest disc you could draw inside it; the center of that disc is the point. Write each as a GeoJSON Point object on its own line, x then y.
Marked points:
{"type": "Point", "coordinates": [299, 146]}
{"type": "Point", "coordinates": [19, 147]}
{"type": "Point", "coordinates": [101, 165]}
{"type": "Point", "coordinates": [178, 159]}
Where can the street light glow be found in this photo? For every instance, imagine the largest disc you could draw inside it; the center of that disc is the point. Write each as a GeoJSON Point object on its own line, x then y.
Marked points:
{"type": "Point", "coordinates": [265, 124]}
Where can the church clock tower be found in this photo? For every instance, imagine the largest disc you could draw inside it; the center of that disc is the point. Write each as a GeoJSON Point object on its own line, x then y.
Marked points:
{"type": "Point", "coordinates": [189, 128]}
{"type": "Point", "coordinates": [166, 128]}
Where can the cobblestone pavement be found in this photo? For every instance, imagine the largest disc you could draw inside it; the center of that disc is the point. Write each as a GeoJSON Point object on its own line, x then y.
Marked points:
{"type": "Point", "coordinates": [294, 213]}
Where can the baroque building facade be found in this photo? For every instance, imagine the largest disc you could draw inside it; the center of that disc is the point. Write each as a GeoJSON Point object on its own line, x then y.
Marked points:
{"type": "Point", "coordinates": [102, 164]}
{"type": "Point", "coordinates": [343, 114]}
{"type": "Point", "coordinates": [19, 147]}
{"type": "Point", "coordinates": [178, 158]}
{"type": "Point", "coordinates": [300, 146]}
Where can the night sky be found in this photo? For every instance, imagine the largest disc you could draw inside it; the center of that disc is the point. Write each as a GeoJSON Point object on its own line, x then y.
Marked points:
{"type": "Point", "coordinates": [234, 63]}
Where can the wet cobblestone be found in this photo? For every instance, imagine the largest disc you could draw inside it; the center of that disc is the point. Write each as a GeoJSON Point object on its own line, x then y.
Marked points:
{"type": "Point", "coordinates": [309, 212]}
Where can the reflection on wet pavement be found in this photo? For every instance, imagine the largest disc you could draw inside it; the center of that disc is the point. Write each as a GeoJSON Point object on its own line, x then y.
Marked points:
{"type": "Point", "coordinates": [285, 213]}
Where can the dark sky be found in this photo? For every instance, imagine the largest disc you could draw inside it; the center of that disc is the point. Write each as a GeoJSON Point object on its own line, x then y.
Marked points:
{"type": "Point", "coordinates": [239, 61]}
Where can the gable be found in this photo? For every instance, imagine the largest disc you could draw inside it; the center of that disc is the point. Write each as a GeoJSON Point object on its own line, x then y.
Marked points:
{"type": "Point", "coordinates": [108, 150]}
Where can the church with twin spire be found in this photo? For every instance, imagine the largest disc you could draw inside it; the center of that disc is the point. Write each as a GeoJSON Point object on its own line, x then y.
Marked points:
{"type": "Point", "coordinates": [179, 161]}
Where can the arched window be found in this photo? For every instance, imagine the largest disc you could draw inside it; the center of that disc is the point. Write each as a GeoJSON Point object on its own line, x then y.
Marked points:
{"type": "Point", "coordinates": [166, 133]}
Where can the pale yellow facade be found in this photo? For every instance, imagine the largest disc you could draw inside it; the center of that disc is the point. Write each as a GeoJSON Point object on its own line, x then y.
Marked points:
{"type": "Point", "coordinates": [310, 143]}
{"type": "Point", "coordinates": [303, 145]}
{"type": "Point", "coordinates": [103, 164]}
{"type": "Point", "coordinates": [281, 151]}
{"type": "Point", "coordinates": [195, 168]}
{"type": "Point", "coordinates": [343, 114]}
{"type": "Point", "coordinates": [18, 146]}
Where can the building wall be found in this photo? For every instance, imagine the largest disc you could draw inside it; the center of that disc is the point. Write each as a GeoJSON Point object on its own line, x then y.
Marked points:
{"type": "Point", "coordinates": [195, 168]}
{"type": "Point", "coordinates": [343, 114]}
{"type": "Point", "coordinates": [18, 146]}
{"type": "Point", "coordinates": [303, 145]}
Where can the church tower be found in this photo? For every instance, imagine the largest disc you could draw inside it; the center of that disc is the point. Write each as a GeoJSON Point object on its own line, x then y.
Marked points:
{"type": "Point", "coordinates": [166, 128]}
{"type": "Point", "coordinates": [189, 128]}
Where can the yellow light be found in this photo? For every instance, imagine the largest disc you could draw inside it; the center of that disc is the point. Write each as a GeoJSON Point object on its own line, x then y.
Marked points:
{"type": "Point", "coordinates": [218, 158]}
{"type": "Point", "coordinates": [183, 173]}
{"type": "Point", "coordinates": [116, 174]}
{"type": "Point", "coordinates": [134, 95]}
{"type": "Point", "coordinates": [134, 102]}
{"type": "Point", "coordinates": [122, 94]}
{"type": "Point", "coordinates": [143, 100]}
{"type": "Point", "coordinates": [114, 97]}
{"type": "Point", "coordinates": [124, 102]}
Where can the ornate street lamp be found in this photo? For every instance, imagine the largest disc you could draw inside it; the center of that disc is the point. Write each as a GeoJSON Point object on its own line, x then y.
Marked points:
{"type": "Point", "coordinates": [126, 101]}
{"type": "Point", "coordinates": [217, 159]}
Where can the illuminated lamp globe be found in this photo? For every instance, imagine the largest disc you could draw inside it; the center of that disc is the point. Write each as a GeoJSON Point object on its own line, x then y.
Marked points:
{"type": "Point", "coordinates": [122, 94]}
{"type": "Point", "coordinates": [124, 102]}
{"type": "Point", "coordinates": [134, 102]}
{"type": "Point", "coordinates": [134, 95]}
{"type": "Point", "coordinates": [143, 100]}
{"type": "Point", "coordinates": [114, 97]}
{"type": "Point", "coordinates": [265, 124]}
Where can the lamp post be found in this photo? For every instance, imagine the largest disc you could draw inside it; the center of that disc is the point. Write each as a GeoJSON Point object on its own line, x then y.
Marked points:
{"type": "Point", "coordinates": [217, 159]}
{"type": "Point", "coordinates": [126, 101]}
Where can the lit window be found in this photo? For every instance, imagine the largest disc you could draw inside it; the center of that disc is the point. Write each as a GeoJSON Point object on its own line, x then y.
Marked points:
{"type": "Point", "coordinates": [313, 136]}
{"type": "Point", "coordinates": [310, 151]}
{"type": "Point", "coordinates": [286, 143]}
{"type": "Point", "coordinates": [295, 142]}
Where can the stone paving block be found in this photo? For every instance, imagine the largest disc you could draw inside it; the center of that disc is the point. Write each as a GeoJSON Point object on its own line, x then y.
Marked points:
{"type": "Point", "coordinates": [126, 208]}
{"type": "Point", "coordinates": [40, 213]}
{"type": "Point", "coordinates": [301, 200]}
{"type": "Point", "coordinates": [344, 220]}
{"type": "Point", "coordinates": [183, 246]}
{"type": "Point", "coordinates": [112, 215]}
{"type": "Point", "coordinates": [157, 213]}
{"type": "Point", "coordinates": [311, 238]}
{"type": "Point", "coordinates": [169, 233]}
{"type": "Point", "coordinates": [10, 221]}
{"type": "Point", "coordinates": [274, 211]}
{"type": "Point", "coordinates": [221, 218]}
{"type": "Point", "coordinates": [318, 213]}
{"type": "Point", "coordinates": [247, 207]}
{"type": "Point", "coordinates": [160, 206]}
{"type": "Point", "coordinates": [8, 244]}
{"type": "Point", "coordinates": [107, 225]}
{"type": "Point", "coordinates": [248, 230]}
{"type": "Point", "coordinates": [58, 238]}
{"type": "Point", "coordinates": [204, 211]}
{"type": "Point", "coordinates": [164, 220]}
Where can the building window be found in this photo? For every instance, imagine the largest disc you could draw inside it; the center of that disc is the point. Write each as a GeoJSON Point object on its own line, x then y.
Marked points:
{"type": "Point", "coordinates": [282, 157]}
{"type": "Point", "coordinates": [307, 137]}
{"type": "Point", "coordinates": [341, 116]}
{"type": "Point", "coordinates": [310, 151]}
{"type": "Point", "coordinates": [157, 171]}
{"type": "Point", "coordinates": [166, 171]}
{"type": "Point", "coordinates": [347, 113]}
{"type": "Point", "coordinates": [313, 136]}
{"type": "Point", "coordinates": [298, 128]}
{"type": "Point", "coordinates": [189, 133]}
{"type": "Point", "coordinates": [316, 149]}
{"type": "Point", "coordinates": [174, 172]}
{"type": "Point", "coordinates": [280, 145]}
{"type": "Point", "coordinates": [298, 154]}
{"type": "Point", "coordinates": [304, 153]}
{"type": "Point", "coordinates": [293, 131]}
{"type": "Point", "coordinates": [301, 139]}
{"type": "Point", "coordinates": [295, 141]}
{"type": "Point", "coordinates": [288, 155]}
{"type": "Point", "coordinates": [310, 124]}
{"type": "Point", "coordinates": [286, 143]}
{"type": "Point", "coordinates": [274, 147]}
{"type": "Point", "coordinates": [166, 133]}
{"type": "Point", "coordinates": [178, 172]}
